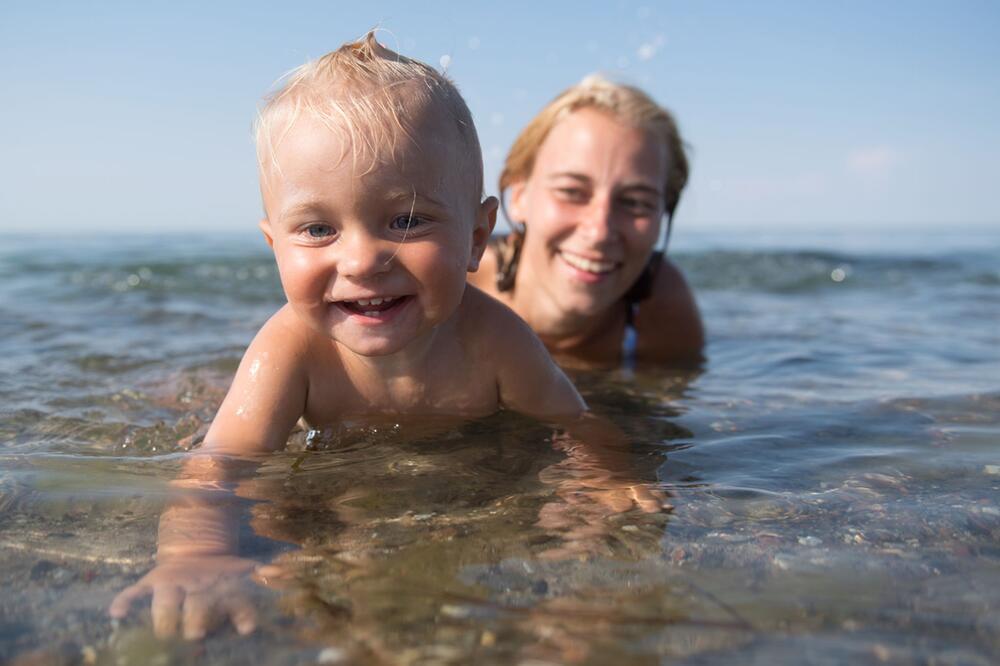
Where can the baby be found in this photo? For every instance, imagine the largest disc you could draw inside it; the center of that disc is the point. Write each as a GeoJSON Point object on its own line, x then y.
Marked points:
{"type": "Point", "coordinates": [371, 175]}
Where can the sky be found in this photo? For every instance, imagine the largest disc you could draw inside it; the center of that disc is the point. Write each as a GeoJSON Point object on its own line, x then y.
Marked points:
{"type": "Point", "coordinates": [128, 117]}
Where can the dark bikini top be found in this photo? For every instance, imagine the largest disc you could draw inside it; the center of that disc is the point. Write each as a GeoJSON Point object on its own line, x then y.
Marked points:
{"type": "Point", "coordinates": [508, 253]}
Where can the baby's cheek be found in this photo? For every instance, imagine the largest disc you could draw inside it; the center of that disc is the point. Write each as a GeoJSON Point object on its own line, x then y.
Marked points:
{"type": "Point", "coordinates": [301, 277]}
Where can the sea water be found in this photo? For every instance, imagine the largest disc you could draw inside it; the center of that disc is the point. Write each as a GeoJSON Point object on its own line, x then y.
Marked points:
{"type": "Point", "coordinates": [833, 471]}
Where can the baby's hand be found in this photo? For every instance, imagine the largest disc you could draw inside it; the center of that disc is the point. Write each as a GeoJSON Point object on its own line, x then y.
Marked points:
{"type": "Point", "coordinates": [199, 592]}
{"type": "Point", "coordinates": [621, 497]}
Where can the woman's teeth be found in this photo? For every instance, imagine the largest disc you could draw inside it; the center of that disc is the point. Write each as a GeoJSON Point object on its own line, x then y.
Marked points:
{"type": "Point", "coordinates": [587, 264]}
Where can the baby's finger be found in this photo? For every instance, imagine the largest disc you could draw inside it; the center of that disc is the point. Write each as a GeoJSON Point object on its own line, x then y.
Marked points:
{"type": "Point", "coordinates": [241, 613]}
{"type": "Point", "coordinates": [123, 600]}
{"type": "Point", "coordinates": [166, 610]}
{"type": "Point", "coordinates": [197, 618]}
{"type": "Point", "coordinates": [272, 575]}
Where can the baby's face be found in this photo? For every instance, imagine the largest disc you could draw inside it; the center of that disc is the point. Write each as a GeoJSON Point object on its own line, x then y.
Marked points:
{"type": "Point", "coordinates": [373, 255]}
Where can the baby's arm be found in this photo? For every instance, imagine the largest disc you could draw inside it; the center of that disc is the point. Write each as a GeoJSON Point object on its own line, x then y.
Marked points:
{"type": "Point", "coordinates": [530, 382]}
{"type": "Point", "coordinates": [268, 394]}
{"type": "Point", "coordinates": [528, 379]}
{"type": "Point", "coordinates": [198, 574]}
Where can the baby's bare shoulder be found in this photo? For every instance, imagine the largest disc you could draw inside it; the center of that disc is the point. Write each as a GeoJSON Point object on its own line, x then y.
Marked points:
{"type": "Point", "coordinates": [527, 378]}
{"type": "Point", "coordinates": [284, 334]}
{"type": "Point", "coordinates": [489, 320]}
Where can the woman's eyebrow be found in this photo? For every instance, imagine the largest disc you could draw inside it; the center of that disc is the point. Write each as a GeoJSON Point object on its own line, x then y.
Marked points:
{"type": "Point", "coordinates": [583, 178]}
{"type": "Point", "coordinates": [642, 187]}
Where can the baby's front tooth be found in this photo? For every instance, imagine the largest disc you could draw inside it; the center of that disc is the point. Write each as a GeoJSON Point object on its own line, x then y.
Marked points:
{"type": "Point", "coordinates": [375, 301]}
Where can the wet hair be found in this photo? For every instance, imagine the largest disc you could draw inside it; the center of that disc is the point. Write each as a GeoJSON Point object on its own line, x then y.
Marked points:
{"type": "Point", "coordinates": [626, 103]}
{"type": "Point", "coordinates": [376, 97]}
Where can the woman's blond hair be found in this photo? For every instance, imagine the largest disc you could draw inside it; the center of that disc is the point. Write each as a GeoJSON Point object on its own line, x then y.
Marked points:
{"type": "Point", "coordinates": [374, 96]}
{"type": "Point", "coordinates": [627, 103]}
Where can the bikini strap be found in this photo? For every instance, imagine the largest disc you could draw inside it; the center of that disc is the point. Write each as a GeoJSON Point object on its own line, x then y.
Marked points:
{"type": "Point", "coordinates": [643, 286]}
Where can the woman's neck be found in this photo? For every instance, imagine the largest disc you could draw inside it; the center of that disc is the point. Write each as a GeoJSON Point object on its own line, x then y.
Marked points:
{"type": "Point", "coordinates": [566, 331]}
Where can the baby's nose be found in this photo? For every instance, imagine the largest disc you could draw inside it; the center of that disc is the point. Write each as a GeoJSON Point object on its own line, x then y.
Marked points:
{"type": "Point", "coordinates": [363, 256]}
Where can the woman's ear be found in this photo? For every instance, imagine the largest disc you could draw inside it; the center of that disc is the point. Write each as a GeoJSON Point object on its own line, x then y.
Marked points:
{"type": "Point", "coordinates": [515, 201]}
{"type": "Point", "coordinates": [486, 219]}
{"type": "Point", "coordinates": [265, 227]}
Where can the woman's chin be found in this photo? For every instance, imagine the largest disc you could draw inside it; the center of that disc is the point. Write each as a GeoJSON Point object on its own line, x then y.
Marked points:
{"type": "Point", "coordinates": [585, 304]}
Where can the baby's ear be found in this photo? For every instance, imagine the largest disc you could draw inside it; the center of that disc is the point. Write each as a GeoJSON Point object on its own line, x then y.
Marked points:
{"type": "Point", "coordinates": [486, 219]}
{"type": "Point", "coordinates": [265, 227]}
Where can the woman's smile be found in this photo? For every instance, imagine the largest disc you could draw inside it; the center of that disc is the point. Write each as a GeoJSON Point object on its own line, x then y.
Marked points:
{"type": "Point", "coordinates": [590, 268]}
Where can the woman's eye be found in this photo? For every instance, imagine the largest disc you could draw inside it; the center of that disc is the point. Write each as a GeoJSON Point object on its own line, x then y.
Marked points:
{"type": "Point", "coordinates": [319, 231]}
{"type": "Point", "coordinates": [574, 194]}
{"type": "Point", "coordinates": [637, 206]}
{"type": "Point", "coordinates": [406, 222]}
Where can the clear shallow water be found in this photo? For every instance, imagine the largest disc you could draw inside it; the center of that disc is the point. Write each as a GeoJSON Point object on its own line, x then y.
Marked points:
{"type": "Point", "coordinates": [834, 471]}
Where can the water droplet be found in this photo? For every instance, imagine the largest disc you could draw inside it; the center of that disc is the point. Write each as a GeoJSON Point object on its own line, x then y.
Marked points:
{"type": "Point", "coordinates": [445, 61]}
{"type": "Point", "coordinates": [474, 43]}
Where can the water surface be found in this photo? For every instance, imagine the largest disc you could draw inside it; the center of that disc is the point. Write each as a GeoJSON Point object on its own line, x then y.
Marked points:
{"type": "Point", "coordinates": [833, 472]}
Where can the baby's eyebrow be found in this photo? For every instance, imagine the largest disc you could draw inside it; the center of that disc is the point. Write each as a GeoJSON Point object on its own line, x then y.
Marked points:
{"type": "Point", "coordinates": [407, 196]}
{"type": "Point", "coordinates": [300, 207]}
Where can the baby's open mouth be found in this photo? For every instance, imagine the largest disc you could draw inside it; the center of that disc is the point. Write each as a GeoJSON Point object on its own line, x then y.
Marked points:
{"type": "Point", "coordinates": [372, 307]}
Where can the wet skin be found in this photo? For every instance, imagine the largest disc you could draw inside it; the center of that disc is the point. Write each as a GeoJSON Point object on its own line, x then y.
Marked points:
{"type": "Point", "coordinates": [379, 321]}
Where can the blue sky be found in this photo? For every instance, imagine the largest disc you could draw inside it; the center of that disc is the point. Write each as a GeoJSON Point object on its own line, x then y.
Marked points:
{"type": "Point", "coordinates": [135, 117]}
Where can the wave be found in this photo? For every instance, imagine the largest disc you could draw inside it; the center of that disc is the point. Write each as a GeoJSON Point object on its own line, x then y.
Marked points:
{"type": "Point", "coordinates": [247, 273]}
{"type": "Point", "coordinates": [790, 271]}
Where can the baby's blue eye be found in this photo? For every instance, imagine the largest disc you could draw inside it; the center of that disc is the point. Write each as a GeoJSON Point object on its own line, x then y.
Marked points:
{"type": "Point", "coordinates": [406, 222]}
{"type": "Point", "coordinates": [319, 230]}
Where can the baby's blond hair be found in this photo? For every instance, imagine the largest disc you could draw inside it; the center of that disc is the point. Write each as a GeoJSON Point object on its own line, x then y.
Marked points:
{"type": "Point", "coordinates": [627, 103]}
{"type": "Point", "coordinates": [374, 96]}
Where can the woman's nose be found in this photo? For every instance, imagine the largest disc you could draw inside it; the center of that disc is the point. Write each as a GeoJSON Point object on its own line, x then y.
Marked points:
{"type": "Point", "coordinates": [598, 222]}
{"type": "Point", "coordinates": [363, 256]}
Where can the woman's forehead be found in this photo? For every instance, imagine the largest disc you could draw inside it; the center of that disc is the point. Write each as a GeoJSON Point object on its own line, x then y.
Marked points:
{"type": "Point", "coordinates": [589, 140]}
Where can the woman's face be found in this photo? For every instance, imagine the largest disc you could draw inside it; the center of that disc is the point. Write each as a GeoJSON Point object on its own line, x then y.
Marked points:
{"type": "Point", "coordinates": [592, 207]}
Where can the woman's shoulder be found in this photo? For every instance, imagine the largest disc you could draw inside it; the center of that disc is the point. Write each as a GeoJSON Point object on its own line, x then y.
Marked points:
{"type": "Point", "coordinates": [667, 320]}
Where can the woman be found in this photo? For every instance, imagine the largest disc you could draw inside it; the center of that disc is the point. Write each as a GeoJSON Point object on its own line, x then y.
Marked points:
{"type": "Point", "coordinates": [588, 184]}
